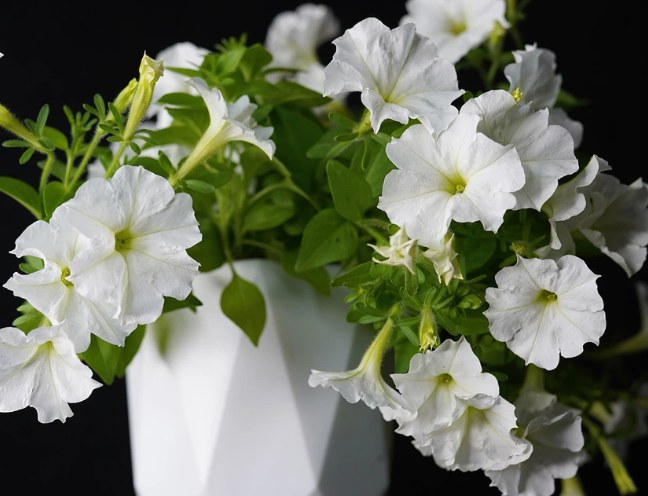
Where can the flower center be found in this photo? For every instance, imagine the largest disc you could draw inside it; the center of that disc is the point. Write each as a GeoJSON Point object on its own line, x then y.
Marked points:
{"type": "Point", "coordinates": [65, 273]}
{"type": "Point", "coordinates": [122, 240]}
{"type": "Point", "coordinates": [547, 296]}
{"type": "Point", "coordinates": [445, 378]}
{"type": "Point", "coordinates": [517, 94]}
{"type": "Point", "coordinates": [457, 27]}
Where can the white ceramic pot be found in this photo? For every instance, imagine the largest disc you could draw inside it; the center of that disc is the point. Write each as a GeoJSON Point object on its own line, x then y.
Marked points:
{"type": "Point", "coordinates": [212, 415]}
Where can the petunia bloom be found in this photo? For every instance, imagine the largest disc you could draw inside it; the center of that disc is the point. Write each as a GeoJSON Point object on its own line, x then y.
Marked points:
{"type": "Point", "coordinates": [459, 175]}
{"type": "Point", "coordinates": [456, 26]}
{"type": "Point", "coordinates": [546, 151]}
{"type": "Point", "coordinates": [182, 55]}
{"type": "Point", "coordinates": [533, 76]}
{"type": "Point", "coordinates": [140, 230]}
{"type": "Point", "coordinates": [366, 382]}
{"type": "Point", "coordinates": [544, 309]}
{"type": "Point", "coordinates": [52, 289]}
{"type": "Point", "coordinates": [398, 73]}
{"type": "Point", "coordinates": [227, 123]}
{"type": "Point", "coordinates": [437, 385]}
{"type": "Point", "coordinates": [41, 370]}
{"type": "Point", "coordinates": [609, 214]}
{"type": "Point", "coordinates": [444, 258]}
{"type": "Point", "coordinates": [293, 38]}
{"type": "Point", "coordinates": [399, 251]}
{"type": "Point", "coordinates": [555, 432]}
{"type": "Point", "coordinates": [482, 438]}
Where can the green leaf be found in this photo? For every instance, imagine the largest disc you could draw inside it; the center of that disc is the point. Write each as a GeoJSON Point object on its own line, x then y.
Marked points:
{"type": "Point", "coordinates": [190, 302]}
{"type": "Point", "coordinates": [294, 133]}
{"type": "Point", "coordinates": [29, 321]}
{"type": "Point", "coordinates": [351, 193]}
{"type": "Point", "coordinates": [209, 251]}
{"type": "Point", "coordinates": [56, 138]}
{"type": "Point", "coordinates": [243, 303]}
{"type": "Point", "coordinates": [357, 276]}
{"type": "Point", "coordinates": [199, 186]}
{"type": "Point", "coordinates": [103, 358]}
{"type": "Point", "coordinates": [471, 323]}
{"type": "Point", "coordinates": [27, 154]}
{"type": "Point", "coordinates": [53, 196]}
{"type": "Point", "coordinates": [375, 162]}
{"type": "Point", "coordinates": [41, 120]}
{"type": "Point", "coordinates": [328, 237]}
{"type": "Point", "coordinates": [22, 192]}
{"type": "Point", "coordinates": [184, 100]}
{"type": "Point", "coordinates": [318, 278]}
{"type": "Point", "coordinates": [263, 215]}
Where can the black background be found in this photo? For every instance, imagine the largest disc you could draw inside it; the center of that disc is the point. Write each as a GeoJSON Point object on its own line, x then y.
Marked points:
{"type": "Point", "coordinates": [63, 54]}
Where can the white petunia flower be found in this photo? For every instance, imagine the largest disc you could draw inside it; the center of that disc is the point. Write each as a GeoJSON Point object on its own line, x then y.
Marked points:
{"type": "Point", "coordinates": [227, 123]}
{"type": "Point", "coordinates": [140, 231]}
{"type": "Point", "coordinates": [480, 439]}
{"type": "Point", "coordinates": [437, 385]}
{"type": "Point", "coordinates": [611, 215]}
{"type": "Point", "coordinates": [459, 175]}
{"type": "Point", "coordinates": [456, 26]}
{"type": "Point", "coordinates": [398, 72]}
{"type": "Point", "coordinates": [293, 38]}
{"type": "Point", "coordinates": [566, 203]}
{"type": "Point", "coordinates": [182, 55]}
{"type": "Point", "coordinates": [544, 309]}
{"type": "Point", "coordinates": [365, 382]}
{"type": "Point", "coordinates": [533, 74]}
{"type": "Point", "coordinates": [41, 370]}
{"type": "Point", "coordinates": [444, 258]}
{"type": "Point", "coordinates": [546, 151]}
{"type": "Point", "coordinates": [555, 432]}
{"type": "Point", "coordinates": [52, 291]}
{"type": "Point", "coordinates": [618, 221]}
{"type": "Point", "coordinates": [399, 251]}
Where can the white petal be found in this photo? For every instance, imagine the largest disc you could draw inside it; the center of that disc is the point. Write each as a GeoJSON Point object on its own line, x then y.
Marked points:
{"type": "Point", "coordinates": [41, 370]}
{"type": "Point", "coordinates": [540, 330]}
{"type": "Point", "coordinates": [397, 71]}
{"type": "Point", "coordinates": [437, 18]}
{"type": "Point", "coordinates": [480, 439]}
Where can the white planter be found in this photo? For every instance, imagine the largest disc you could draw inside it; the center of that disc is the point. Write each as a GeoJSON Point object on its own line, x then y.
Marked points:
{"type": "Point", "coordinates": [212, 415]}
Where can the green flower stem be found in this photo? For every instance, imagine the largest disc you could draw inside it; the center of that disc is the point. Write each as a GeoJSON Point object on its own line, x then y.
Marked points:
{"type": "Point", "coordinates": [372, 226]}
{"type": "Point", "coordinates": [378, 346]}
{"type": "Point", "coordinates": [90, 149]}
{"type": "Point", "coordinates": [534, 379]}
{"type": "Point", "coordinates": [364, 125]}
{"type": "Point", "coordinates": [49, 163]}
{"type": "Point", "coordinates": [114, 165]}
{"type": "Point", "coordinates": [622, 478]}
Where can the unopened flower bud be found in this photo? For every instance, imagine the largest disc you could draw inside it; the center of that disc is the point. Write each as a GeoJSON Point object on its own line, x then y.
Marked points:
{"type": "Point", "coordinates": [471, 301]}
{"type": "Point", "coordinates": [428, 337]}
{"type": "Point", "coordinates": [150, 71]}
{"type": "Point", "coordinates": [13, 125]}
{"type": "Point", "coordinates": [125, 96]}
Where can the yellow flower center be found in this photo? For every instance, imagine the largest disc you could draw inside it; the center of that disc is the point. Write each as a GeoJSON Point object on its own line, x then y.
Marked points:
{"type": "Point", "coordinates": [122, 240]}
{"type": "Point", "coordinates": [457, 27]}
{"type": "Point", "coordinates": [547, 296]}
{"type": "Point", "coordinates": [65, 273]}
{"type": "Point", "coordinates": [517, 94]}
{"type": "Point", "coordinates": [445, 378]}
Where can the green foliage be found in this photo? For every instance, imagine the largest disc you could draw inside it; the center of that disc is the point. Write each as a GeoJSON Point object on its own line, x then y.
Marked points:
{"type": "Point", "coordinates": [243, 303]}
